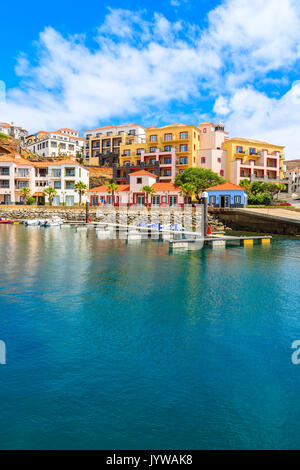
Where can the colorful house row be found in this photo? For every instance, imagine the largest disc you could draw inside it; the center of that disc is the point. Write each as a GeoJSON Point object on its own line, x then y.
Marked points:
{"type": "Point", "coordinates": [169, 150]}
{"type": "Point", "coordinates": [164, 194]}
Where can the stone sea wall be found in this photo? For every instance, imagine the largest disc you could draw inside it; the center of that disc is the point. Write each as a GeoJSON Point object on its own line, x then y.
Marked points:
{"type": "Point", "coordinates": [103, 214]}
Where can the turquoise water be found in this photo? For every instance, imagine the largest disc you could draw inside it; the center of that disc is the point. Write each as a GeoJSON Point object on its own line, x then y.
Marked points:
{"type": "Point", "coordinates": [115, 346]}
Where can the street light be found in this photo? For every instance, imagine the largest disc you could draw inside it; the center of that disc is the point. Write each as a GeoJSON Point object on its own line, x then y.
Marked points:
{"type": "Point", "coordinates": [205, 205]}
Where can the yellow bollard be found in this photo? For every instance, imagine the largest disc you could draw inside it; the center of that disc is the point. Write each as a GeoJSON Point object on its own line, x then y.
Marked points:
{"type": "Point", "coordinates": [248, 243]}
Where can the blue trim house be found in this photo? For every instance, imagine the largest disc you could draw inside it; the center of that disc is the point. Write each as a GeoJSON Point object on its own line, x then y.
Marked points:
{"type": "Point", "coordinates": [227, 195]}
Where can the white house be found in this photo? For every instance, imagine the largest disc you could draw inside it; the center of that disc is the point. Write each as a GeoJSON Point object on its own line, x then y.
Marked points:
{"type": "Point", "coordinates": [16, 172]}
{"type": "Point", "coordinates": [63, 142]}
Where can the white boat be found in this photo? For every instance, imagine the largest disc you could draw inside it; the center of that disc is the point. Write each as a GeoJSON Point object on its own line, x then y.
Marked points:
{"type": "Point", "coordinates": [54, 222]}
{"type": "Point", "coordinates": [32, 222]}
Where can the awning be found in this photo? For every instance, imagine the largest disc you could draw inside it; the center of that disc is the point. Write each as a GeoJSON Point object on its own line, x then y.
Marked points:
{"type": "Point", "coordinates": [38, 195]}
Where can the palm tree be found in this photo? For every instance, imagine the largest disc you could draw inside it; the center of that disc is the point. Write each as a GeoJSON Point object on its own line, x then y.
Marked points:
{"type": "Point", "coordinates": [113, 188]}
{"type": "Point", "coordinates": [25, 193]}
{"type": "Point", "coordinates": [187, 190]}
{"type": "Point", "coordinates": [149, 191]}
{"type": "Point", "coordinates": [51, 193]}
{"type": "Point", "coordinates": [81, 189]}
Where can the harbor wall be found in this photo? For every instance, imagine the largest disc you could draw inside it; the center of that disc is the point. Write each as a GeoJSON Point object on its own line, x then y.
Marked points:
{"type": "Point", "coordinates": [240, 219]}
{"type": "Point", "coordinates": [105, 214]}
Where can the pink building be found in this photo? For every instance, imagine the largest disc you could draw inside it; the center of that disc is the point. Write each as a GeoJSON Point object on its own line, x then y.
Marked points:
{"type": "Point", "coordinates": [166, 193]}
{"type": "Point", "coordinates": [211, 155]}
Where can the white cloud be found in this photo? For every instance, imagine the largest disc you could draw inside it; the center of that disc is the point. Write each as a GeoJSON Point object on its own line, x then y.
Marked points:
{"type": "Point", "coordinates": [251, 113]}
{"type": "Point", "coordinates": [142, 66]}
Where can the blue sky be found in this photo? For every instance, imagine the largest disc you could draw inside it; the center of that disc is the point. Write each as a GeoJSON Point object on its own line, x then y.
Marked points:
{"type": "Point", "coordinates": [154, 63]}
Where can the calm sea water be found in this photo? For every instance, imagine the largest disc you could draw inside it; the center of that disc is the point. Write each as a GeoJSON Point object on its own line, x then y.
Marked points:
{"type": "Point", "coordinates": [115, 346]}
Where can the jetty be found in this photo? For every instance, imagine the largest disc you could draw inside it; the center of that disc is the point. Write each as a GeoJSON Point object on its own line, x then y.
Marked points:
{"type": "Point", "coordinates": [178, 239]}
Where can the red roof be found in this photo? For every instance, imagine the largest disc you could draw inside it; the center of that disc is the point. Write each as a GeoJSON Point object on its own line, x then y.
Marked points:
{"type": "Point", "coordinates": [104, 188]}
{"type": "Point", "coordinates": [226, 187]}
{"type": "Point", "coordinates": [143, 173]}
{"type": "Point", "coordinates": [165, 187]}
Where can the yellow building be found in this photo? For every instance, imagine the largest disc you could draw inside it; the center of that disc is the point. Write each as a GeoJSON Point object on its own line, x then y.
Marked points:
{"type": "Point", "coordinates": [185, 139]}
{"type": "Point", "coordinates": [102, 145]}
{"type": "Point", "coordinates": [253, 159]}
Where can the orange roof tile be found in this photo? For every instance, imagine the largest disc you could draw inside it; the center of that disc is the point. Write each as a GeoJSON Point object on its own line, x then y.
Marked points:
{"type": "Point", "coordinates": [18, 161]}
{"type": "Point", "coordinates": [225, 187]}
{"type": "Point", "coordinates": [104, 188]}
{"type": "Point", "coordinates": [143, 173]}
{"type": "Point", "coordinates": [165, 187]}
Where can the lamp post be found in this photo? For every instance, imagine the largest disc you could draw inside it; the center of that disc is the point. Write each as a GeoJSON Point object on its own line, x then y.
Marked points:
{"type": "Point", "coordinates": [205, 204]}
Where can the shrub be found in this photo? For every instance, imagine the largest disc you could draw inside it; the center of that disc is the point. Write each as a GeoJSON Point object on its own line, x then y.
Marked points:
{"type": "Point", "coordinates": [259, 199]}
{"type": "Point", "coordinates": [30, 201]}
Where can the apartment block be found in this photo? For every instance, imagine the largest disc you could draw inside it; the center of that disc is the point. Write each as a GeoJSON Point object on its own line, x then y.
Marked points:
{"type": "Point", "coordinates": [63, 142]}
{"type": "Point", "coordinates": [13, 131]}
{"type": "Point", "coordinates": [16, 173]}
{"type": "Point", "coordinates": [254, 160]}
{"type": "Point", "coordinates": [102, 146]}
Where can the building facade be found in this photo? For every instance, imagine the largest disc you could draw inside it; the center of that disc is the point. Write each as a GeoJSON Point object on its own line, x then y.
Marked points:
{"type": "Point", "coordinates": [13, 131]}
{"type": "Point", "coordinates": [102, 146]}
{"type": "Point", "coordinates": [165, 194]}
{"type": "Point", "coordinates": [227, 195]}
{"type": "Point", "coordinates": [253, 160]}
{"type": "Point", "coordinates": [16, 173]}
{"type": "Point", "coordinates": [63, 142]}
{"type": "Point", "coordinates": [211, 154]}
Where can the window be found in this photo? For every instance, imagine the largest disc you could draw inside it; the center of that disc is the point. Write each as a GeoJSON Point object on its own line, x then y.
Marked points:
{"type": "Point", "coordinates": [23, 173]}
{"type": "Point", "coordinates": [152, 149]}
{"type": "Point", "coordinates": [168, 148]}
{"type": "Point", "coordinates": [203, 159]}
{"type": "Point", "coordinates": [4, 183]}
{"type": "Point", "coordinates": [252, 151]}
{"type": "Point", "coordinates": [184, 135]}
{"type": "Point", "coordinates": [139, 151]}
{"type": "Point", "coordinates": [153, 138]}
{"type": "Point", "coordinates": [62, 146]}
{"type": "Point", "coordinates": [155, 200]}
{"type": "Point", "coordinates": [131, 132]}
{"type": "Point", "coordinates": [127, 153]}
{"type": "Point", "coordinates": [167, 173]}
{"type": "Point", "coordinates": [204, 130]}
{"type": "Point", "coordinates": [167, 160]}
{"type": "Point", "coordinates": [173, 200]}
{"type": "Point", "coordinates": [221, 172]}
{"type": "Point", "coordinates": [94, 201]}
{"type": "Point", "coordinates": [56, 173]}
{"type": "Point", "coordinates": [70, 171]}
{"type": "Point", "coordinates": [168, 136]}
{"type": "Point", "coordinates": [127, 162]}
{"type": "Point", "coordinates": [237, 199]}
{"type": "Point", "coordinates": [183, 148]}
{"type": "Point", "coordinates": [71, 147]}
{"type": "Point", "coordinates": [183, 160]}
{"type": "Point", "coordinates": [69, 184]}
{"type": "Point", "coordinates": [57, 184]}
{"type": "Point", "coordinates": [139, 180]}
{"type": "Point", "coordinates": [56, 201]}
{"type": "Point", "coordinates": [53, 144]}
{"type": "Point", "coordinates": [5, 171]}
{"type": "Point", "coordinates": [212, 199]}
{"type": "Point", "coordinates": [239, 149]}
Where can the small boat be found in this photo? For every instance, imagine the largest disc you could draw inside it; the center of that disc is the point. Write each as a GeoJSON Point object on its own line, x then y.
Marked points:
{"type": "Point", "coordinates": [7, 221]}
{"type": "Point", "coordinates": [32, 222]}
{"type": "Point", "coordinates": [54, 222]}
